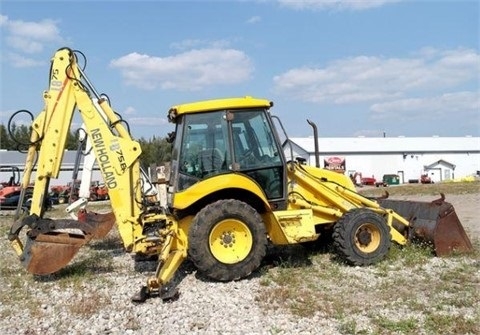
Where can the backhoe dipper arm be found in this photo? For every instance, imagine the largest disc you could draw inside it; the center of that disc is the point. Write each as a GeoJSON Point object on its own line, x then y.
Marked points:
{"type": "Point", "coordinates": [88, 163]}
{"type": "Point", "coordinates": [117, 155]}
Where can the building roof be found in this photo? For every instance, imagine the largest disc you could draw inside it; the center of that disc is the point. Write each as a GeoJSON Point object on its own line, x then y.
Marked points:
{"type": "Point", "coordinates": [388, 144]}
{"type": "Point", "coordinates": [440, 162]}
{"type": "Point", "coordinates": [16, 158]}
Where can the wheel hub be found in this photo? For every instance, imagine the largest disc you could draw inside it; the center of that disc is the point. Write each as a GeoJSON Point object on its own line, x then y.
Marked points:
{"type": "Point", "coordinates": [230, 241]}
{"type": "Point", "coordinates": [227, 239]}
{"type": "Point", "coordinates": [364, 236]}
{"type": "Point", "coordinates": [367, 238]}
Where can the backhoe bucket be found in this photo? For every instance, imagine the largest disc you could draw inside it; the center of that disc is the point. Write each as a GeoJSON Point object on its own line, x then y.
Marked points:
{"type": "Point", "coordinates": [434, 223]}
{"type": "Point", "coordinates": [50, 252]}
{"type": "Point", "coordinates": [53, 243]}
{"type": "Point", "coordinates": [102, 223]}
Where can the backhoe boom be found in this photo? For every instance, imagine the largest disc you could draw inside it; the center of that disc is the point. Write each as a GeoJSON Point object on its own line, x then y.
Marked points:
{"type": "Point", "coordinates": [51, 244]}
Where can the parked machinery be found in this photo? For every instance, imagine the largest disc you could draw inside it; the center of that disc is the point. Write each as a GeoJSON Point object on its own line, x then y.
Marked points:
{"type": "Point", "coordinates": [231, 192]}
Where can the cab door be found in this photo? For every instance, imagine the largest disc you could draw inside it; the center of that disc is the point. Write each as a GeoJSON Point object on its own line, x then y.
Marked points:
{"type": "Point", "coordinates": [257, 153]}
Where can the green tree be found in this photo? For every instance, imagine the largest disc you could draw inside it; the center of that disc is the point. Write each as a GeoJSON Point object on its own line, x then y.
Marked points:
{"type": "Point", "coordinates": [4, 138]}
{"type": "Point", "coordinates": [72, 141]}
{"type": "Point", "coordinates": [18, 138]}
{"type": "Point", "coordinates": [155, 151]}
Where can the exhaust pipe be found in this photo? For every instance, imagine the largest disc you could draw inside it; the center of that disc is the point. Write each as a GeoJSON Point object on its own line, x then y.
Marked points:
{"type": "Point", "coordinates": [315, 136]}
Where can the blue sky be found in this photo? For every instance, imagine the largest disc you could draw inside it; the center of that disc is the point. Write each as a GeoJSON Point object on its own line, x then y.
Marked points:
{"type": "Point", "coordinates": [355, 68]}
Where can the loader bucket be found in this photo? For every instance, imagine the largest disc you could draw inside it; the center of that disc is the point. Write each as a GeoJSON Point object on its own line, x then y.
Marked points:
{"type": "Point", "coordinates": [52, 244]}
{"type": "Point", "coordinates": [434, 223]}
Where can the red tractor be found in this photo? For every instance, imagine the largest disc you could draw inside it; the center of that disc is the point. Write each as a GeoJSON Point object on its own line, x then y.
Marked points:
{"type": "Point", "coordinates": [425, 179]}
{"type": "Point", "coordinates": [64, 193]}
{"type": "Point", "coordinates": [98, 191]}
{"type": "Point", "coordinates": [10, 190]}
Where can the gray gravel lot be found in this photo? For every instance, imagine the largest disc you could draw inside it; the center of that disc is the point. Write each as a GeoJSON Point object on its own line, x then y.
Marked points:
{"type": "Point", "coordinates": [100, 303]}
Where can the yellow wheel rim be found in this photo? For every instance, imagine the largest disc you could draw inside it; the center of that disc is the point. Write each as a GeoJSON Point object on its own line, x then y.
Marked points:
{"type": "Point", "coordinates": [367, 238]}
{"type": "Point", "coordinates": [230, 241]}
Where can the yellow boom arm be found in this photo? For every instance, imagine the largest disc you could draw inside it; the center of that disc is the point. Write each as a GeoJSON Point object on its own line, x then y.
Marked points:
{"type": "Point", "coordinates": [48, 246]}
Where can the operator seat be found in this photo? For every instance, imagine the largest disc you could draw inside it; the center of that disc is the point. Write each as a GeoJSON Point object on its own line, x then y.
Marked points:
{"type": "Point", "coordinates": [211, 161]}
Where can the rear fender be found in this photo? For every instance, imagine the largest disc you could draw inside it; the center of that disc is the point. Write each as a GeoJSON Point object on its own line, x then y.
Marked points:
{"type": "Point", "coordinates": [198, 191]}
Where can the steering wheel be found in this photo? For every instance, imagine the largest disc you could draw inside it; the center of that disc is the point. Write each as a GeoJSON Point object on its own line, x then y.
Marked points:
{"type": "Point", "coordinates": [247, 158]}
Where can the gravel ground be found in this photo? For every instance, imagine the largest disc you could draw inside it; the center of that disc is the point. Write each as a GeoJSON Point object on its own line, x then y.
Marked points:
{"type": "Point", "coordinates": [100, 303]}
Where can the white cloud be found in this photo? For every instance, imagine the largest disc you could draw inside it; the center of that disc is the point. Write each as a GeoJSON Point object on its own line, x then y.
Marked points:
{"type": "Point", "coordinates": [30, 37]}
{"type": "Point", "coordinates": [130, 111]}
{"type": "Point", "coordinates": [20, 119]}
{"type": "Point", "coordinates": [187, 44]}
{"type": "Point", "coordinates": [199, 44]}
{"type": "Point", "coordinates": [147, 121]}
{"type": "Point", "coordinates": [254, 19]}
{"type": "Point", "coordinates": [376, 79]}
{"type": "Point", "coordinates": [19, 61]}
{"type": "Point", "coordinates": [188, 71]}
{"type": "Point", "coordinates": [336, 5]}
{"type": "Point", "coordinates": [24, 44]}
{"type": "Point", "coordinates": [45, 30]}
{"type": "Point", "coordinates": [429, 108]}
{"type": "Point", "coordinates": [3, 20]}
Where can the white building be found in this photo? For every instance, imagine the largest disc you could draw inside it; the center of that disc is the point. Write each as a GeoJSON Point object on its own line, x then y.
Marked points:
{"type": "Point", "coordinates": [442, 158]}
{"type": "Point", "coordinates": [18, 159]}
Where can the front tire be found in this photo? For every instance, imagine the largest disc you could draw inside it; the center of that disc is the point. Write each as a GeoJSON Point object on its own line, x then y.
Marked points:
{"type": "Point", "coordinates": [227, 240]}
{"type": "Point", "coordinates": [361, 237]}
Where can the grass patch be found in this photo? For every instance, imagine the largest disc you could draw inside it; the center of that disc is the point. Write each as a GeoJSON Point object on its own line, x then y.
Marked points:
{"type": "Point", "coordinates": [409, 292]}
{"type": "Point", "coordinates": [88, 304]}
{"type": "Point", "coordinates": [87, 267]}
{"type": "Point", "coordinates": [451, 324]}
{"type": "Point", "coordinates": [410, 255]}
{"type": "Point", "coordinates": [403, 326]}
{"type": "Point", "coordinates": [414, 296]}
{"type": "Point", "coordinates": [424, 189]}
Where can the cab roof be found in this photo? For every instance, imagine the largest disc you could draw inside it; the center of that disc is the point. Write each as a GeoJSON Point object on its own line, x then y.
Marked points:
{"type": "Point", "coordinates": [218, 104]}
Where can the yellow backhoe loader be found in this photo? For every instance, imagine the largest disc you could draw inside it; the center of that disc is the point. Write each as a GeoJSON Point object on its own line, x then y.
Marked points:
{"type": "Point", "coordinates": [232, 191]}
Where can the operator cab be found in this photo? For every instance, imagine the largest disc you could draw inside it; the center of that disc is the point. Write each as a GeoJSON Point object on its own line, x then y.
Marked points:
{"type": "Point", "coordinates": [225, 141]}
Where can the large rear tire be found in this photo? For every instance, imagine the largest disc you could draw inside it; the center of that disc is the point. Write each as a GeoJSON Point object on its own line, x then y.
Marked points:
{"type": "Point", "coordinates": [227, 240]}
{"type": "Point", "coordinates": [361, 237]}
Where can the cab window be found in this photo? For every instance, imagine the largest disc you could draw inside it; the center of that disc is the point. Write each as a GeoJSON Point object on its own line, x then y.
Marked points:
{"type": "Point", "coordinates": [204, 147]}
